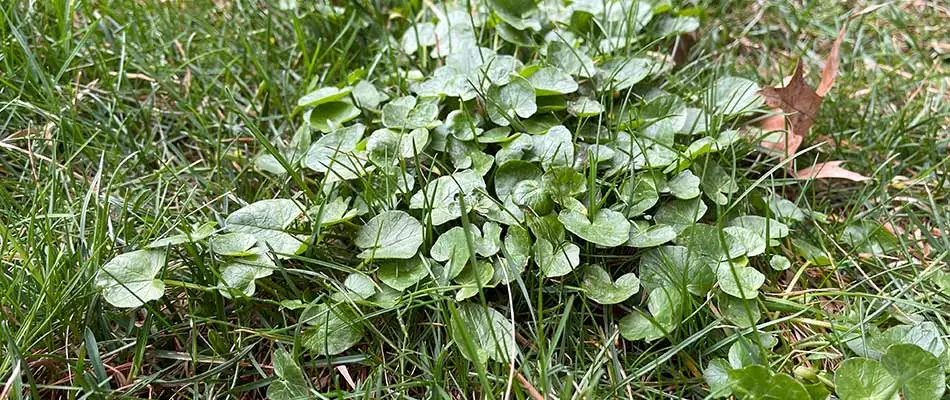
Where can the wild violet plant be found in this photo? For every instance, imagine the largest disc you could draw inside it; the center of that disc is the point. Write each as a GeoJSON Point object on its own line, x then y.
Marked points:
{"type": "Point", "coordinates": [495, 165]}
{"type": "Point", "coordinates": [541, 143]}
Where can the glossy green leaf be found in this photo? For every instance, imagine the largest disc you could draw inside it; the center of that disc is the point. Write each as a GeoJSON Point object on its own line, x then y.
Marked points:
{"type": "Point", "coordinates": [334, 328]}
{"type": "Point", "coordinates": [638, 326]}
{"type": "Point", "coordinates": [517, 246]}
{"type": "Point", "coordinates": [639, 195]}
{"type": "Point", "coordinates": [331, 116]}
{"type": "Point", "coordinates": [685, 185]}
{"type": "Point", "coordinates": [918, 373]}
{"type": "Point", "coordinates": [584, 107]}
{"type": "Point", "coordinates": [531, 194]}
{"type": "Point", "coordinates": [607, 228]}
{"type": "Point", "coordinates": [570, 60]}
{"type": "Point", "coordinates": [680, 214]}
{"type": "Point", "coordinates": [490, 331]}
{"type": "Point", "coordinates": [291, 384]}
{"type": "Point", "coordinates": [409, 113]}
{"type": "Point", "coordinates": [733, 96]}
{"type": "Point", "coordinates": [333, 148]}
{"type": "Point", "coordinates": [357, 287]}
{"type": "Point", "coordinates": [622, 73]}
{"type": "Point", "coordinates": [712, 242]}
{"type": "Point", "coordinates": [753, 243]}
{"type": "Point", "coordinates": [717, 377]}
{"type": "Point", "coordinates": [741, 282]}
{"type": "Point", "coordinates": [765, 227]}
{"type": "Point", "coordinates": [551, 81]}
{"type": "Point", "coordinates": [742, 313]}
{"type": "Point", "coordinates": [473, 277]}
{"type": "Point", "coordinates": [555, 261]}
{"type": "Point", "coordinates": [509, 174]}
{"type": "Point", "coordinates": [323, 95]}
{"type": "Point", "coordinates": [367, 95]}
{"type": "Point", "coordinates": [418, 35]}
{"type": "Point", "coordinates": [452, 248]}
{"type": "Point", "coordinates": [267, 220]}
{"type": "Point", "coordinates": [440, 196]}
{"type": "Point", "coordinates": [240, 277]}
{"type": "Point", "coordinates": [758, 383]}
{"type": "Point", "coordinates": [391, 234]}
{"type": "Point", "coordinates": [779, 263]}
{"type": "Point", "coordinates": [784, 210]}
{"type": "Point", "coordinates": [555, 147]}
{"type": "Point", "coordinates": [197, 234]}
{"type": "Point", "coordinates": [563, 183]}
{"type": "Point", "coordinates": [401, 275]}
{"type": "Point", "coordinates": [751, 349]}
{"type": "Point", "coordinates": [676, 267]}
{"type": "Point", "coordinates": [129, 279]}
{"type": "Point", "coordinates": [865, 379]}
{"type": "Point", "coordinates": [233, 244]}
{"type": "Point", "coordinates": [642, 234]}
{"type": "Point", "coordinates": [511, 101]}
{"type": "Point", "coordinates": [601, 288]}
{"type": "Point", "coordinates": [386, 147]}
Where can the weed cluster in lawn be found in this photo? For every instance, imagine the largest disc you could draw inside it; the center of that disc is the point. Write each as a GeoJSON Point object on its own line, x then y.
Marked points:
{"type": "Point", "coordinates": [452, 200]}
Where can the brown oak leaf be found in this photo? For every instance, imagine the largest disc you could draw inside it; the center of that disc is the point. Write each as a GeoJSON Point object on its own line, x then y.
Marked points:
{"type": "Point", "coordinates": [796, 106]}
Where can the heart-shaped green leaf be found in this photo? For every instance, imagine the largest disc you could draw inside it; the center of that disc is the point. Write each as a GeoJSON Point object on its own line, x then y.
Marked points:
{"type": "Point", "coordinates": [862, 378]}
{"type": "Point", "coordinates": [335, 328]}
{"type": "Point", "coordinates": [601, 288]}
{"type": "Point", "coordinates": [291, 384]}
{"type": "Point", "coordinates": [555, 261]}
{"type": "Point", "coordinates": [555, 147]}
{"type": "Point", "coordinates": [757, 382]}
{"type": "Point", "coordinates": [391, 234]}
{"type": "Point", "coordinates": [401, 275]}
{"type": "Point", "coordinates": [323, 95]}
{"type": "Point", "coordinates": [680, 214]}
{"type": "Point", "coordinates": [233, 244]}
{"type": "Point", "coordinates": [511, 101]}
{"type": "Point", "coordinates": [607, 228]}
{"type": "Point", "coordinates": [918, 373]}
{"type": "Point", "coordinates": [550, 81]}
{"type": "Point", "coordinates": [440, 196]}
{"type": "Point", "coordinates": [767, 228]}
{"type": "Point", "coordinates": [676, 267]}
{"type": "Point", "coordinates": [482, 333]}
{"type": "Point", "coordinates": [128, 280]}
{"type": "Point", "coordinates": [331, 116]}
{"type": "Point", "coordinates": [452, 248]}
{"type": "Point", "coordinates": [409, 113]}
{"type": "Point", "coordinates": [472, 278]}
{"type": "Point", "coordinates": [642, 234]}
{"type": "Point", "coordinates": [333, 148]}
{"type": "Point", "coordinates": [741, 282]}
{"type": "Point", "coordinates": [733, 96]}
{"type": "Point", "coordinates": [685, 185]}
{"type": "Point", "coordinates": [196, 235]}
{"type": "Point", "coordinates": [717, 377]}
{"type": "Point", "coordinates": [267, 220]}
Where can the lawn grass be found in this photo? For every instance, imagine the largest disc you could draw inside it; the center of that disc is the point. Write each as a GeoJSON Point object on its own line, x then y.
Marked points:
{"type": "Point", "coordinates": [122, 121]}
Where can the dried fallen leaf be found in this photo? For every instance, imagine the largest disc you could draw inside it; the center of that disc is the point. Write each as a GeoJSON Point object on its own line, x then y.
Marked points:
{"type": "Point", "coordinates": [797, 104]}
{"type": "Point", "coordinates": [797, 99]}
{"type": "Point", "coordinates": [830, 169]}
